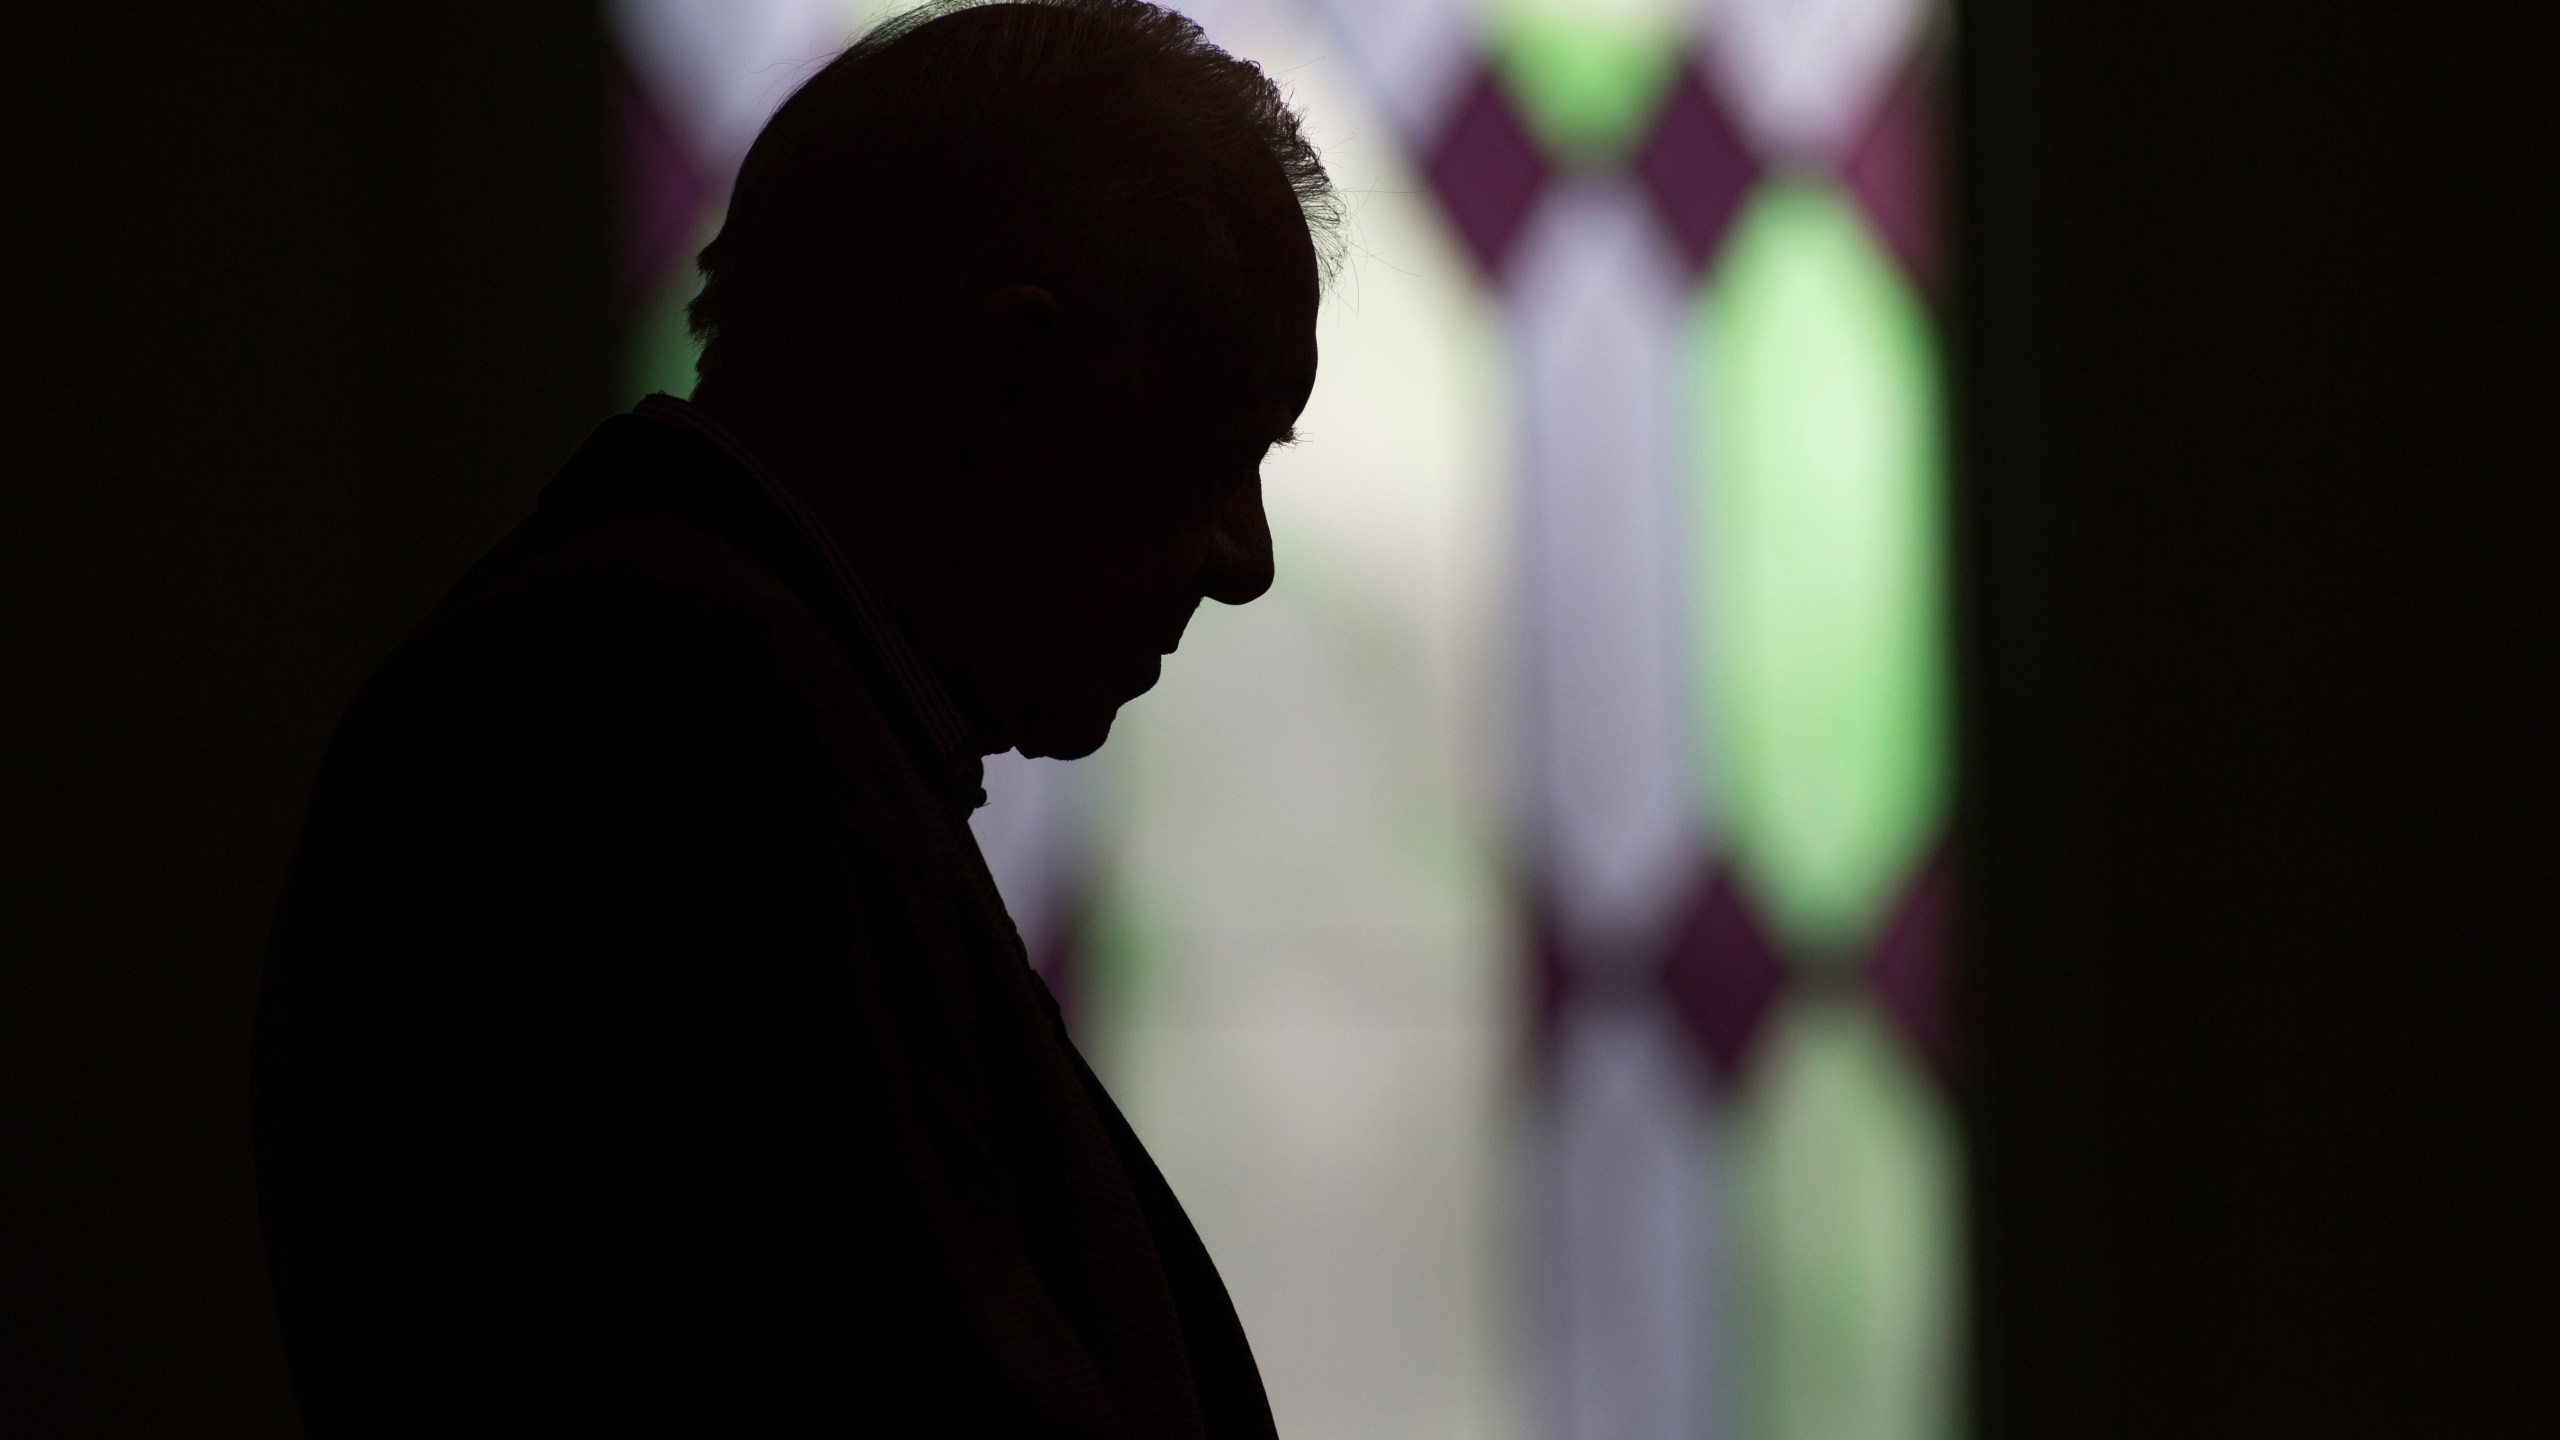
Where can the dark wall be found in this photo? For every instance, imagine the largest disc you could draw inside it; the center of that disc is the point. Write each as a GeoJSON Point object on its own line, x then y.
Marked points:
{"type": "Point", "coordinates": [2259, 398]}
{"type": "Point", "coordinates": [307, 301]}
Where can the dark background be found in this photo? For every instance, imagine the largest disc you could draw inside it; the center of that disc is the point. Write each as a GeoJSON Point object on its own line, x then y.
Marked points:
{"type": "Point", "coordinates": [320, 295]}
{"type": "Point", "coordinates": [2257, 406]}
{"type": "Point", "coordinates": [2258, 350]}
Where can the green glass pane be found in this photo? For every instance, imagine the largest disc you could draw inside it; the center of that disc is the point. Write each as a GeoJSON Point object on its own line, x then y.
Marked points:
{"type": "Point", "coordinates": [1816, 500]}
{"type": "Point", "coordinates": [1121, 950]}
{"type": "Point", "coordinates": [1844, 1302]}
{"type": "Point", "coordinates": [1588, 79]}
{"type": "Point", "coordinates": [658, 351]}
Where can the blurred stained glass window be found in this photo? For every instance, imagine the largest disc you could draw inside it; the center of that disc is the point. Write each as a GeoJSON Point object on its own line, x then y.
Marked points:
{"type": "Point", "coordinates": [1519, 935]}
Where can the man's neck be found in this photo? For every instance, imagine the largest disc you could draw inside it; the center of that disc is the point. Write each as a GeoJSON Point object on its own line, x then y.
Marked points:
{"type": "Point", "coordinates": [889, 541]}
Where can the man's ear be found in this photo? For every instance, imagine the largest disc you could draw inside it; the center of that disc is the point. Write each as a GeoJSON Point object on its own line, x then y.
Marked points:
{"type": "Point", "coordinates": [1014, 340]}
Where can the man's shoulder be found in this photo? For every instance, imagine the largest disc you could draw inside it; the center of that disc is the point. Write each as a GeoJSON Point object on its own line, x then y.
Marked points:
{"type": "Point", "coordinates": [640, 631]}
{"type": "Point", "coordinates": [623, 618]}
{"type": "Point", "coordinates": [643, 531]}
{"type": "Point", "coordinates": [647, 568]}
{"type": "Point", "coordinates": [646, 588]}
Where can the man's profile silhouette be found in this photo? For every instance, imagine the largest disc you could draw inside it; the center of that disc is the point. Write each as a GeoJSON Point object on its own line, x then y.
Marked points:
{"type": "Point", "coordinates": [644, 1045]}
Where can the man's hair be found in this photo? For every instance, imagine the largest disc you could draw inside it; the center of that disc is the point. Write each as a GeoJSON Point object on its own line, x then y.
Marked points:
{"type": "Point", "coordinates": [1100, 147]}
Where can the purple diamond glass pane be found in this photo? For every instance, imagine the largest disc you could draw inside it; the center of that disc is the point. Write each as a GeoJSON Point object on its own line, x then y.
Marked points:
{"type": "Point", "coordinates": [1551, 987]}
{"type": "Point", "coordinates": [1697, 168]}
{"type": "Point", "coordinates": [1722, 976]}
{"type": "Point", "coordinates": [1908, 969]}
{"type": "Point", "coordinates": [1892, 169]}
{"type": "Point", "coordinates": [1487, 172]}
{"type": "Point", "coordinates": [663, 193]}
{"type": "Point", "coordinates": [1057, 955]}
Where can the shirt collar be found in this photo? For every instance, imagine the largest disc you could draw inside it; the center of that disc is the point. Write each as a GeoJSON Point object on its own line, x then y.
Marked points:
{"type": "Point", "coordinates": [946, 730]}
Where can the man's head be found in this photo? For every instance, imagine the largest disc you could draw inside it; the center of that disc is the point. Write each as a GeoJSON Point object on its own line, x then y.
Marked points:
{"type": "Point", "coordinates": [1019, 295]}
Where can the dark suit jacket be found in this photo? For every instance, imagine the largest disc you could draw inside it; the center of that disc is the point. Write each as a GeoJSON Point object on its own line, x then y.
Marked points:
{"type": "Point", "coordinates": [646, 1047]}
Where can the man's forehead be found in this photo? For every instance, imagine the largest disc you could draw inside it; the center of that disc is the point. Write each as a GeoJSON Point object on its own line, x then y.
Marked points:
{"type": "Point", "coordinates": [1279, 334]}
{"type": "Point", "coordinates": [1260, 371]}
{"type": "Point", "coordinates": [1263, 292]}
{"type": "Point", "coordinates": [1272, 236]}
{"type": "Point", "coordinates": [1276, 263]}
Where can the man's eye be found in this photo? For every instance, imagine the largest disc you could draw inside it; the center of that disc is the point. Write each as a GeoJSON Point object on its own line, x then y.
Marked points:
{"type": "Point", "coordinates": [1258, 450]}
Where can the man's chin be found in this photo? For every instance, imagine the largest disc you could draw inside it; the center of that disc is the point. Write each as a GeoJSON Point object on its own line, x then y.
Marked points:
{"type": "Point", "coordinates": [1071, 736]}
{"type": "Point", "coordinates": [1077, 726]}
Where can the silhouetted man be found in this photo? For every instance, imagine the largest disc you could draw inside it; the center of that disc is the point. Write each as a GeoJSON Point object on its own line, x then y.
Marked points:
{"type": "Point", "coordinates": [645, 1045]}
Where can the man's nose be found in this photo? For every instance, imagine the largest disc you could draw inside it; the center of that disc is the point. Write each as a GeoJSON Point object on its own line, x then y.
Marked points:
{"type": "Point", "coordinates": [1239, 563]}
